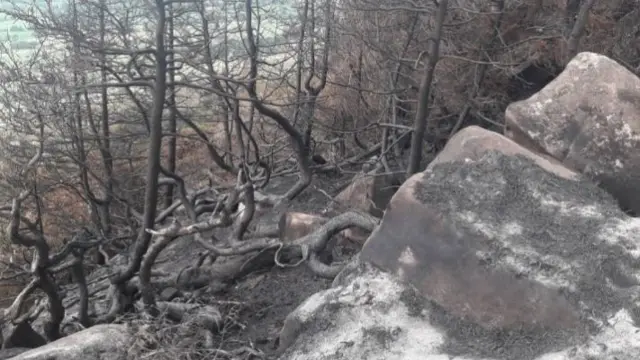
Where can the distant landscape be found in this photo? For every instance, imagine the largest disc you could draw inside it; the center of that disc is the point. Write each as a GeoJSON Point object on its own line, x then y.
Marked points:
{"type": "Point", "coordinates": [22, 40]}
{"type": "Point", "coordinates": [16, 33]}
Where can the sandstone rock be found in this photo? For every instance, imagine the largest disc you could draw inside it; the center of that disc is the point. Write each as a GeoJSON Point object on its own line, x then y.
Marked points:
{"type": "Point", "coordinates": [355, 236]}
{"type": "Point", "coordinates": [488, 254]}
{"type": "Point", "coordinates": [104, 342]}
{"type": "Point", "coordinates": [369, 192]}
{"type": "Point", "coordinates": [473, 142]}
{"type": "Point", "coordinates": [589, 119]}
{"type": "Point", "coordinates": [295, 225]}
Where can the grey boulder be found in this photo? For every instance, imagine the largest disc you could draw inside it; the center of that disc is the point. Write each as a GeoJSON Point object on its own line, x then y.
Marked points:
{"type": "Point", "coordinates": [490, 253]}
{"type": "Point", "coordinates": [589, 119]}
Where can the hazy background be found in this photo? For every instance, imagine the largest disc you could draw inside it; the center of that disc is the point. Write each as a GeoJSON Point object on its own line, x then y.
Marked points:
{"type": "Point", "coordinates": [16, 33]}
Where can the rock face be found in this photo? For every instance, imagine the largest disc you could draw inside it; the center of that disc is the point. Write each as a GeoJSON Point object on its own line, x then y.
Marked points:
{"type": "Point", "coordinates": [493, 252]}
{"type": "Point", "coordinates": [104, 342]}
{"type": "Point", "coordinates": [589, 119]}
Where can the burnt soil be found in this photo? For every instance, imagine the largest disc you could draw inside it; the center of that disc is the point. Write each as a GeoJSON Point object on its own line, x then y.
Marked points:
{"type": "Point", "coordinates": [269, 297]}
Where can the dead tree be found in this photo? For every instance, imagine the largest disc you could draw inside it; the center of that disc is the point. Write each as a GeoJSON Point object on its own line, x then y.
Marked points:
{"type": "Point", "coordinates": [578, 28]}
{"type": "Point", "coordinates": [171, 87]}
{"type": "Point", "coordinates": [223, 206]}
{"type": "Point", "coordinates": [45, 263]}
{"type": "Point", "coordinates": [422, 115]}
{"type": "Point", "coordinates": [155, 145]}
{"type": "Point", "coordinates": [296, 138]}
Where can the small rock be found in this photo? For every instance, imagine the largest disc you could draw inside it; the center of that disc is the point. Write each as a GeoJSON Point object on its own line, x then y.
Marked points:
{"type": "Point", "coordinates": [294, 225]}
{"type": "Point", "coordinates": [169, 294]}
{"type": "Point", "coordinates": [369, 192]}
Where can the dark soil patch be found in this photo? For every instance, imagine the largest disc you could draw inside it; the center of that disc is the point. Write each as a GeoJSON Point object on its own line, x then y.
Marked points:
{"type": "Point", "coordinates": [270, 296]}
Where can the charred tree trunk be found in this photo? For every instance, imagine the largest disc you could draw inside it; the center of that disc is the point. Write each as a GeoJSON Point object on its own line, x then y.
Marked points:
{"type": "Point", "coordinates": [422, 115]}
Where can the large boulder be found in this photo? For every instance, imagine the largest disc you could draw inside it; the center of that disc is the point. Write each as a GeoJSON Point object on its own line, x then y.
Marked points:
{"type": "Point", "coordinates": [589, 119]}
{"type": "Point", "coordinates": [493, 253]}
{"type": "Point", "coordinates": [100, 342]}
{"type": "Point", "coordinates": [473, 142]}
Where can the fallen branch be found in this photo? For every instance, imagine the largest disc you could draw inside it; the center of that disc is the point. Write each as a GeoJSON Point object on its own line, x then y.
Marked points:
{"type": "Point", "coordinates": [306, 247]}
{"type": "Point", "coordinates": [13, 312]}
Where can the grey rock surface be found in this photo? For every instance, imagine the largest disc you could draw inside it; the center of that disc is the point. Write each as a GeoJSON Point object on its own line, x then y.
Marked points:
{"type": "Point", "coordinates": [9, 353]}
{"type": "Point", "coordinates": [589, 119]}
{"type": "Point", "coordinates": [100, 342]}
{"type": "Point", "coordinates": [485, 258]}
